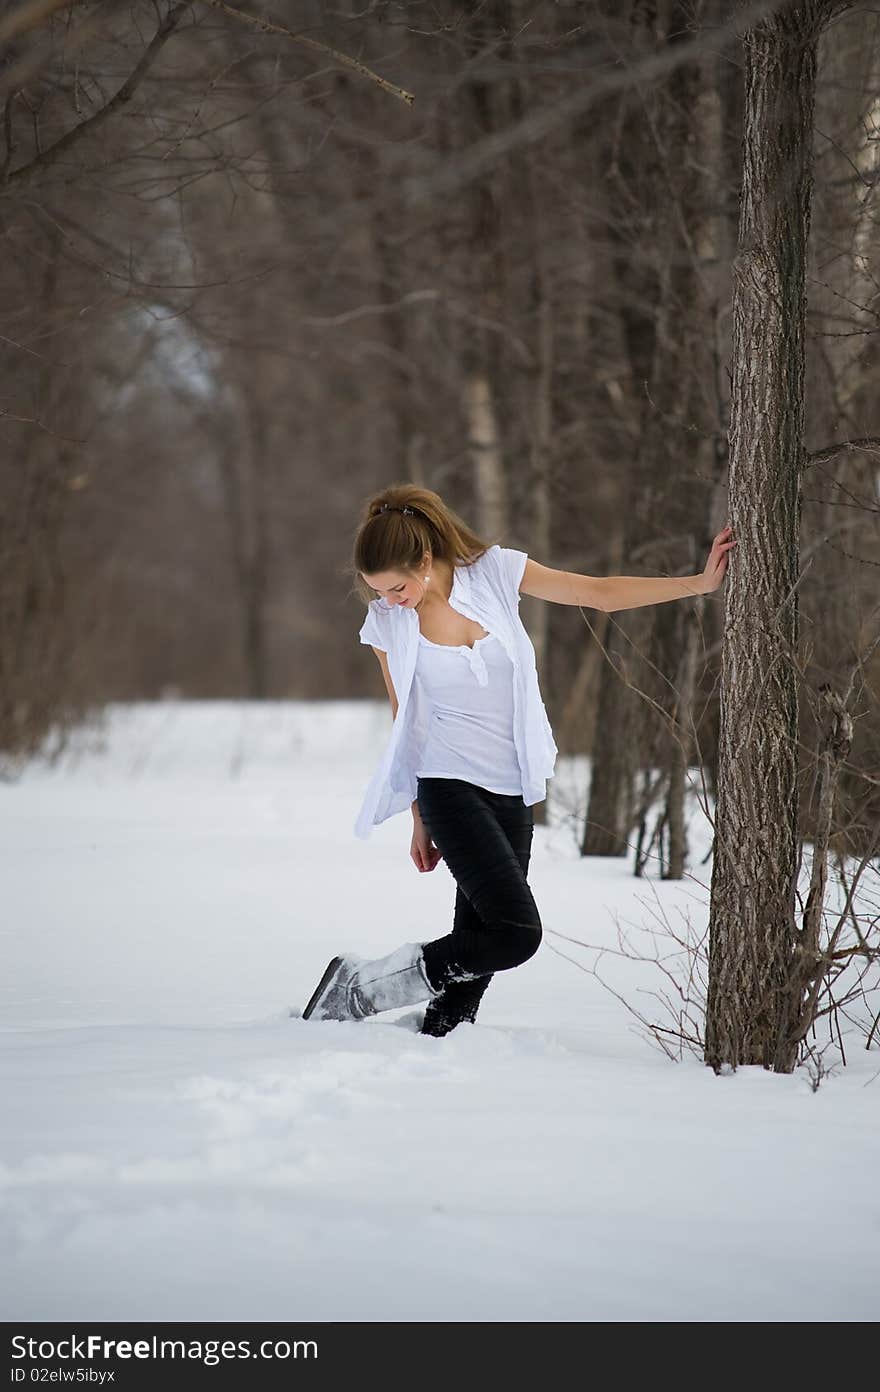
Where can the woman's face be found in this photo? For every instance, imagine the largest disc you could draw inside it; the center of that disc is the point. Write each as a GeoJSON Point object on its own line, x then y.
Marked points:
{"type": "Point", "coordinates": [396, 587]}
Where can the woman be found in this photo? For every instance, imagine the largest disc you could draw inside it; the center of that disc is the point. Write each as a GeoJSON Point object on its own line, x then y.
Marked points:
{"type": "Point", "coordinates": [471, 747]}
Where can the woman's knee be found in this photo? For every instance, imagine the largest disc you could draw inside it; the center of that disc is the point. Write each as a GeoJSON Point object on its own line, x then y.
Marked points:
{"type": "Point", "coordinates": [521, 940]}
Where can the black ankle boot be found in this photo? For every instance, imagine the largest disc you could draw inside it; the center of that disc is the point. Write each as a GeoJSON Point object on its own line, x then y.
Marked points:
{"type": "Point", "coordinates": [457, 1002]}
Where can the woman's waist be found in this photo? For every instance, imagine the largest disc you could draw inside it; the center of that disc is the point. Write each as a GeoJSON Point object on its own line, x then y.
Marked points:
{"type": "Point", "coordinates": [471, 717]}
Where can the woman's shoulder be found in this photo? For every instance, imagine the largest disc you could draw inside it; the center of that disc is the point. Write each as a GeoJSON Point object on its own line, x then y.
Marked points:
{"type": "Point", "coordinates": [502, 565]}
{"type": "Point", "coordinates": [376, 628]}
{"type": "Point", "coordinates": [483, 562]}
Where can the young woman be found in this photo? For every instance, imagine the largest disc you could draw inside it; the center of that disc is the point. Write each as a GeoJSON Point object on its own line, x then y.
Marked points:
{"type": "Point", "coordinates": [471, 747]}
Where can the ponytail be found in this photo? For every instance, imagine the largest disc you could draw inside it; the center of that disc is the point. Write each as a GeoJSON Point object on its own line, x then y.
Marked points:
{"type": "Point", "coordinates": [402, 522]}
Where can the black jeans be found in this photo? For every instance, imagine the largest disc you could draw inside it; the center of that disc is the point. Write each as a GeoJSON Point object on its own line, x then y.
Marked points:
{"type": "Point", "coordinates": [485, 839]}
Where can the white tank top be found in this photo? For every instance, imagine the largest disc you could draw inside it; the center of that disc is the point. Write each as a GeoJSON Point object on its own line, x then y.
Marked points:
{"type": "Point", "coordinates": [469, 692]}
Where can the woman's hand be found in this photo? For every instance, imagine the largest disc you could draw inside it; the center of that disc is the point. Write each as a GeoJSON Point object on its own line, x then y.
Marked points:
{"type": "Point", "coordinates": [717, 562]}
{"type": "Point", "coordinates": [423, 851]}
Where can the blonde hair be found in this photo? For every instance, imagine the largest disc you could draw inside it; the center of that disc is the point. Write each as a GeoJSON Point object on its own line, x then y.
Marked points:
{"type": "Point", "coordinates": [389, 539]}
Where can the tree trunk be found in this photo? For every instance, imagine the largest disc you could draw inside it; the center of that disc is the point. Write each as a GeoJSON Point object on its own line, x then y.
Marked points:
{"type": "Point", "coordinates": [690, 624]}
{"type": "Point", "coordinates": [616, 746]}
{"type": "Point", "coordinates": [752, 928]}
{"type": "Point", "coordinates": [490, 482]}
{"type": "Point", "coordinates": [479, 350]}
{"type": "Point", "coordinates": [242, 468]}
{"type": "Point", "coordinates": [711, 218]}
{"type": "Point", "coordinates": [658, 202]}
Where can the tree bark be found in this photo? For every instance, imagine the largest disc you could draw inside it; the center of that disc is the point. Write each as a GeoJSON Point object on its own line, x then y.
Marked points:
{"type": "Point", "coordinates": [490, 482]}
{"type": "Point", "coordinates": [752, 927]}
{"type": "Point", "coordinates": [682, 743]}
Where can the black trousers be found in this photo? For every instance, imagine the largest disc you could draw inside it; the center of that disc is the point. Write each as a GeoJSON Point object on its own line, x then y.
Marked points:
{"type": "Point", "coordinates": [485, 839]}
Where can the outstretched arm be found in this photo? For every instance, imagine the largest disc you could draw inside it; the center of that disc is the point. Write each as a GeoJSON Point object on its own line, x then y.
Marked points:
{"type": "Point", "coordinates": [612, 592]}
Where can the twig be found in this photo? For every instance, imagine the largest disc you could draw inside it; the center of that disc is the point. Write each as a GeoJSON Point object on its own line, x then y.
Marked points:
{"type": "Point", "coordinates": [266, 26]}
{"type": "Point", "coordinates": [125, 93]}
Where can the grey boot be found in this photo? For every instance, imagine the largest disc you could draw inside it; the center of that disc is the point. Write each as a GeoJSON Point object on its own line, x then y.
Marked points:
{"type": "Point", "coordinates": [351, 988]}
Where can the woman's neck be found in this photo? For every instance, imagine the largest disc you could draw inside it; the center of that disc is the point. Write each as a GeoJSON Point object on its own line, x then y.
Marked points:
{"type": "Point", "coordinates": [439, 588]}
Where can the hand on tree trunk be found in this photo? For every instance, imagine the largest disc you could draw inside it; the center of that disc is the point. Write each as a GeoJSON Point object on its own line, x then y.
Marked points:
{"type": "Point", "coordinates": [717, 562]}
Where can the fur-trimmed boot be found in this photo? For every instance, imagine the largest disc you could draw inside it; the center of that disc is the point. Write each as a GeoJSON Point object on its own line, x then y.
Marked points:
{"type": "Point", "coordinates": [352, 988]}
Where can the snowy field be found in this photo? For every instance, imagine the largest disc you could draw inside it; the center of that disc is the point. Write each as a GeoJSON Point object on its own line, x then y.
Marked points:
{"type": "Point", "coordinates": [175, 1146]}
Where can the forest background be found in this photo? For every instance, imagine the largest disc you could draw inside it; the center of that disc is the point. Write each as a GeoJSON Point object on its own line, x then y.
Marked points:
{"type": "Point", "coordinates": [259, 263]}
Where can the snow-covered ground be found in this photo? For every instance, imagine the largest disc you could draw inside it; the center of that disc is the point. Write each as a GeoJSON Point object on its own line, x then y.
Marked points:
{"type": "Point", "coordinates": [176, 1146]}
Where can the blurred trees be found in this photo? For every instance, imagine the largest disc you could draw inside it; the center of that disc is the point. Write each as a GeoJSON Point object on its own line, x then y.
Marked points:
{"type": "Point", "coordinates": [245, 284]}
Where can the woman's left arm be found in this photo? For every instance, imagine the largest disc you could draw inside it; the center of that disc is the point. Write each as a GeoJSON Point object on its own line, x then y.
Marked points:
{"type": "Point", "coordinates": [612, 592]}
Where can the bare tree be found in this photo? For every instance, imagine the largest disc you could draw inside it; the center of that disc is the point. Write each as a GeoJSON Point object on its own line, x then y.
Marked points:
{"type": "Point", "coordinates": [669, 208]}
{"type": "Point", "coordinates": [752, 929]}
{"type": "Point", "coordinates": [247, 282]}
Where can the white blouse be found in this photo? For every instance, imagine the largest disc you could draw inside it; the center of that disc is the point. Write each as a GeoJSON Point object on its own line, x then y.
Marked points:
{"type": "Point", "coordinates": [486, 590]}
{"type": "Point", "coordinates": [469, 692]}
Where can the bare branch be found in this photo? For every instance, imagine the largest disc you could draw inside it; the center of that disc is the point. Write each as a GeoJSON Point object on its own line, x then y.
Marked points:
{"type": "Point", "coordinates": [466, 167]}
{"type": "Point", "coordinates": [46, 157]}
{"type": "Point", "coordinates": [822, 456]}
{"type": "Point", "coordinates": [266, 26]}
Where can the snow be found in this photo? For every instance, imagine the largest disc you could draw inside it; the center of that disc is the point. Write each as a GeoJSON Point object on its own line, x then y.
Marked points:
{"type": "Point", "coordinates": [177, 1146]}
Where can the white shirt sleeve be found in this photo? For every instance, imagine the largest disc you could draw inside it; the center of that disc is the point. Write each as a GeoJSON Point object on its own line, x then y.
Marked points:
{"type": "Point", "coordinates": [512, 563]}
{"type": "Point", "coordinates": [371, 631]}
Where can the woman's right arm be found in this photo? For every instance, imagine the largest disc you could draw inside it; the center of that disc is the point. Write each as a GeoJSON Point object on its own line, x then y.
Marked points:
{"type": "Point", "coordinates": [422, 850]}
{"type": "Point", "coordinates": [382, 659]}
